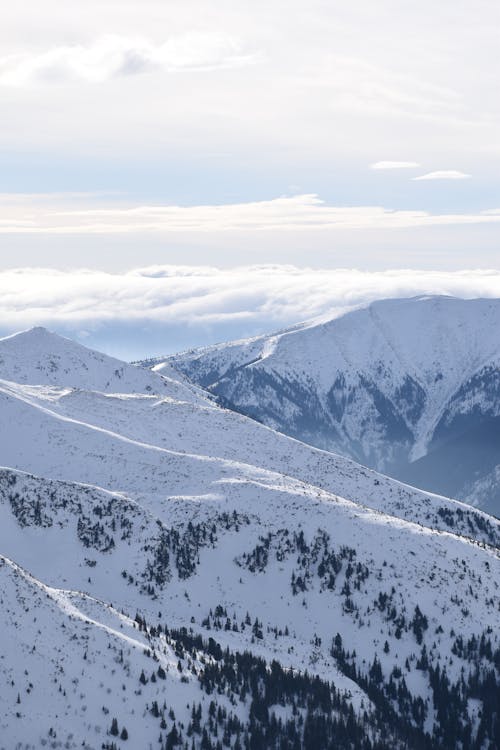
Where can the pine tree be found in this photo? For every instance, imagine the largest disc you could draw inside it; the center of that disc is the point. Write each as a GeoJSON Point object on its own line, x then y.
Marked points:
{"type": "Point", "coordinates": [172, 738]}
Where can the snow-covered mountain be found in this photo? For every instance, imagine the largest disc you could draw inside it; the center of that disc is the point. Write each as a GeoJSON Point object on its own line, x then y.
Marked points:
{"type": "Point", "coordinates": [38, 357]}
{"type": "Point", "coordinates": [174, 574]}
{"type": "Point", "coordinates": [410, 387]}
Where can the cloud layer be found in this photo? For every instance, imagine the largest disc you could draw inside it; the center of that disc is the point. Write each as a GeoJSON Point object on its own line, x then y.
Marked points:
{"type": "Point", "coordinates": [297, 213]}
{"type": "Point", "coordinates": [444, 174]}
{"type": "Point", "coordinates": [163, 308]}
{"type": "Point", "coordinates": [112, 56]}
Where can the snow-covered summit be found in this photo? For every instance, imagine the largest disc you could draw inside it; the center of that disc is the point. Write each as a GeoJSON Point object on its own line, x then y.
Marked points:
{"type": "Point", "coordinates": [387, 384]}
{"type": "Point", "coordinates": [40, 357]}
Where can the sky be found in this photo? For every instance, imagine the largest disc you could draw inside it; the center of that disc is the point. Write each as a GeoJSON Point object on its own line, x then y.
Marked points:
{"type": "Point", "coordinates": [319, 136]}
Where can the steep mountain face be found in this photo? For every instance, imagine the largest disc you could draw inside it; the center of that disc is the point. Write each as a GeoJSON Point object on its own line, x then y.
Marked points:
{"type": "Point", "coordinates": [173, 574]}
{"type": "Point", "coordinates": [408, 387]}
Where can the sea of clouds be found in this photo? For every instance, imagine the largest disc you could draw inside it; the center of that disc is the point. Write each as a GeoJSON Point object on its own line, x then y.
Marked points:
{"type": "Point", "coordinates": [161, 309]}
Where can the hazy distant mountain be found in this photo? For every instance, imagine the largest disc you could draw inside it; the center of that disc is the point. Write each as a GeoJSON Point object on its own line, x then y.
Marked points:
{"type": "Point", "coordinates": [409, 387]}
{"type": "Point", "coordinates": [174, 574]}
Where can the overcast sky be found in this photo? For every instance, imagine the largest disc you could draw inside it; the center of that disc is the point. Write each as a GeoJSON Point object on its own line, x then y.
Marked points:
{"type": "Point", "coordinates": [322, 134]}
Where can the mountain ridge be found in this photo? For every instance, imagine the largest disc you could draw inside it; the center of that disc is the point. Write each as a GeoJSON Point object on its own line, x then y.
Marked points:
{"type": "Point", "coordinates": [174, 574]}
{"type": "Point", "coordinates": [386, 384]}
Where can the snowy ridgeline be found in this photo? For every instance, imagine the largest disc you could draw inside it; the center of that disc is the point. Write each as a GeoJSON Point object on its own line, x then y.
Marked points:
{"type": "Point", "coordinates": [174, 574]}
{"type": "Point", "coordinates": [409, 387]}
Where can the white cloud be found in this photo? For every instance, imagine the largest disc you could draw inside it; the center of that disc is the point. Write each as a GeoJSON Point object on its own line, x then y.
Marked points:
{"type": "Point", "coordinates": [112, 56]}
{"type": "Point", "coordinates": [336, 86]}
{"type": "Point", "coordinates": [298, 213]}
{"type": "Point", "coordinates": [163, 308]}
{"type": "Point", "coordinates": [444, 174]}
{"type": "Point", "coordinates": [395, 165]}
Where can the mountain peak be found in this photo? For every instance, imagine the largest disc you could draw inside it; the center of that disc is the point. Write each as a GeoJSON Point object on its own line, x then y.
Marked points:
{"type": "Point", "coordinates": [38, 356]}
{"type": "Point", "coordinates": [386, 384]}
{"type": "Point", "coordinates": [34, 333]}
{"type": "Point", "coordinates": [38, 338]}
{"type": "Point", "coordinates": [39, 330]}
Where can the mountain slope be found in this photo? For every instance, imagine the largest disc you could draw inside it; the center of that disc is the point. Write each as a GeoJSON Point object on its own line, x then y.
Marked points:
{"type": "Point", "coordinates": [129, 441]}
{"type": "Point", "coordinates": [279, 554]}
{"type": "Point", "coordinates": [390, 385]}
{"type": "Point", "coordinates": [171, 564]}
{"type": "Point", "coordinates": [104, 680]}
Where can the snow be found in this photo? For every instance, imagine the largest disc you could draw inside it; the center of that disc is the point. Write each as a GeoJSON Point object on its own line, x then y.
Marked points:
{"type": "Point", "coordinates": [39, 357]}
{"type": "Point", "coordinates": [87, 460]}
{"type": "Point", "coordinates": [354, 372]}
